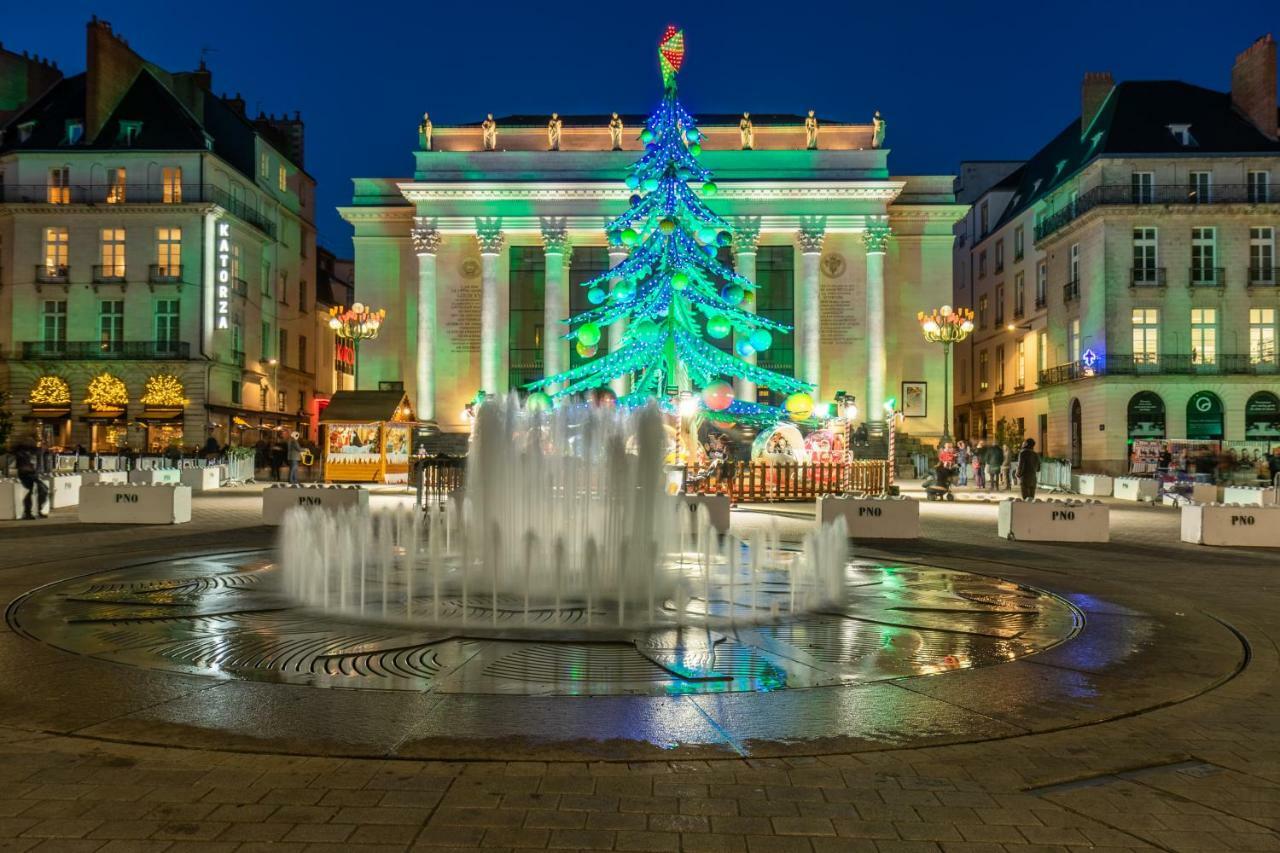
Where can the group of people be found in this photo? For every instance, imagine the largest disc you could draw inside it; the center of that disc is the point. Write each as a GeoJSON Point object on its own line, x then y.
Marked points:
{"type": "Point", "coordinates": [279, 454]}
{"type": "Point", "coordinates": [993, 466]}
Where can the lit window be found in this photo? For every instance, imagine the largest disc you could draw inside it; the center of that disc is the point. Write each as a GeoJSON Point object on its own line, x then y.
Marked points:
{"type": "Point", "coordinates": [1204, 336]}
{"type": "Point", "coordinates": [171, 185]}
{"type": "Point", "coordinates": [1020, 365]}
{"type": "Point", "coordinates": [1042, 350]}
{"type": "Point", "coordinates": [169, 252]}
{"type": "Point", "coordinates": [1146, 335]}
{"type": "Point", "coordinates": [111, 256]}
{"type": "Point", "coordinates": [115, 185]}
{"type": "Point", "coordinates": [1262, 255]}
{"type": "Point", "coordinates": [60, 185]}
{"type": "Point", "coordinates": [1262, 335]}
{"type": "Point", "coordinates": [56, 252]}
{"type": "Point", "coordinates": [282, 179]}
{"type": "Point", "coordinates": [983, 367]}
{"type": "Point", "coordinates": [75, 132]}
{"type": "Point", "coordinates": [1073, 340]}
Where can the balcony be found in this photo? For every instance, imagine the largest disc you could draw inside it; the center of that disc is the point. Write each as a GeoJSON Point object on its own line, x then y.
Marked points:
{"type": "Point", "coordinates": [164, 273]}
{"type": "Point", "coordinates": [239, 287]}
{"type": "Point", "coordinates": [135, 194]}
{"type": "Point", "coordinates": [53, 273]}
{"type": "Point", "coordinates": [1262, 276]}
{"type": "Point", "coordinates": [1147, 277]}
{"type": "Point", "coordinates": [1019, 312]}
{"type": "Point", "coordinates": [1041, 301]}
{"type": "Point", "coordinates": [237, 358]}
{"type": "Point", "coordinates": [1071, 291]}
{"type": "Point", "coordinates": [1207, 277]}
{"type": "Point", "coordinates": [1164, 364]}
{"type": "Point", "coordinates": [1162, 194]}
{"type": "Point", "coordinates": [108, 274]}
{"type": "Point", "coordinates": [100, 351]}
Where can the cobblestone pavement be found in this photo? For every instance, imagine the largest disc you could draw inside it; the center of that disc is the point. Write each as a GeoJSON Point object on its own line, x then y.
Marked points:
{"type": "Point", "coordinates": [1201, 773]}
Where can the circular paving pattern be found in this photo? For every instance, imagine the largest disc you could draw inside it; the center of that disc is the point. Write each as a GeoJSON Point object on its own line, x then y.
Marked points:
{"type": "Point", "coordinates": [223, 617]}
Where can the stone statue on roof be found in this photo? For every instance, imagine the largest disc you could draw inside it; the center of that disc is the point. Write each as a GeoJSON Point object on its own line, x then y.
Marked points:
{"type": "Point", "coordinates": [877, 131]}
{"type": "Point", "coordinates": [746, 132]}
{"type": "Point", "coordinates": [489, 131]}
{"type": "Point", "coordinates": [811, 131]}
{"type": "Point", "coordinates": [553, 132]}
{"type": "Point", "coordinates": [615, 132]}
{"type": "Point", "coordinates": [424, 133]}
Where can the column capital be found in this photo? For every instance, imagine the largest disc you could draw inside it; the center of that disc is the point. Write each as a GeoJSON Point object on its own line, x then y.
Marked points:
{"type": "Point", "coordinates": [876, 236]}
{"type": "Point", "coordinates": [811, 240]}
{"type": "Point", "coordinates": [619, 251]}
{"type": "Point", "coordinates": [489, 236]}
{"type": "Point", "coordinates": [425, 237]}
{"type": "Point", "coordinates": [555, 235]}
{"type": "Point", "coordinates": [746, 234]}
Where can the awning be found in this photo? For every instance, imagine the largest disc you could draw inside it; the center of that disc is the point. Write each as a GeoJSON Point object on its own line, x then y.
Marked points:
{"type": "Point", "coordinates": [47, 412]}
{"type": "Point", "coordinates": [160, 414]}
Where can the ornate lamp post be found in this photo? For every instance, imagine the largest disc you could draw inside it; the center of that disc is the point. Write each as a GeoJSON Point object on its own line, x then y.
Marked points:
{"type": "Point", "coordinates": [357, 323]}
{"type": "Point", "coordinates": [946, 326]}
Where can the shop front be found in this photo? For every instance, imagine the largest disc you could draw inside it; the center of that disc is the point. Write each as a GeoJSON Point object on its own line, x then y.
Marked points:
{"type": "Point", "coordinates": [50, 402]}
{"type": "Point", "coordinates": [164, 403]}
{"type": "Point", "coordinates": [366, 436]}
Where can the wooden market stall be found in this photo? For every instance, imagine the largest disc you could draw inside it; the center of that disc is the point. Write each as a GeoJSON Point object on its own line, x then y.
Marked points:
{"type": "Point", "coordinates": [367, 437]}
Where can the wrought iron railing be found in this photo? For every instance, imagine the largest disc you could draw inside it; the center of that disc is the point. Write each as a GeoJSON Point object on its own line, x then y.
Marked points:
{"type": "Point", "coordinates": [1207, 277]}
{"type": "Point", "coordinates": [100, 350]}
{"type": "Point", "coordinates": [108, 273]}
{"type": "Point", "coordinates": [1147, 277]}
{"type": "Point", "coordinates": [1262, 276]}
{"type": "Point", "coordinates": [1162, 364]}
{"type": "Point", "coordinates": [1162, 194]}
{"type": "Point", "coordinates": [53, 273]}
{"type": "Point", "coordinates": [1071, 291]}
{"type": "Point", "coordinates": [164, 273]}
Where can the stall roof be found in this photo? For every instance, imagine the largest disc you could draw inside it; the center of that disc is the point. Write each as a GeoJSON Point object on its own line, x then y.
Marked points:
{"type": "Point", "coordinates": [362, 407]}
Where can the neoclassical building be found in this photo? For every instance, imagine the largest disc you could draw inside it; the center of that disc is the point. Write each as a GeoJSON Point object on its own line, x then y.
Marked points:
{"type": "Point", "coordinates": [478, 255]}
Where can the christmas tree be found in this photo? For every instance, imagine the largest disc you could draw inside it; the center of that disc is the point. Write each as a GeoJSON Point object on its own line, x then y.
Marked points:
{"type": "Point", "coordinates": [672, 291]}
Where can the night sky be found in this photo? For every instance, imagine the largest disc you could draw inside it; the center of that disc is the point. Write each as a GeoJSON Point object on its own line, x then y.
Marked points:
{"type": "Point", "coordinates": [955, 81]}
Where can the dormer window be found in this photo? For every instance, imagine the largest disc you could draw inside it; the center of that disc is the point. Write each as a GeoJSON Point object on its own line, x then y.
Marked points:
{"type": "Point", "coordinates": [129, 132]}
{"type": "Point", "coordinates": [75, 132]}
{"type": "Point", "coordinates": [1182, 133]}
{"type": "Point", "coordinates": [25, 130]}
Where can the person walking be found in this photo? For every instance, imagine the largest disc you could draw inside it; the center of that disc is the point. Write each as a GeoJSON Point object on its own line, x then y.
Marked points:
{"type": "Point", "coordinates": [1028, 468]}
{"type": "Point", "coordinates": [962, 463]}
{"type": "Point", "coordinates": [27, 456]}
{"type": "Point", "coordinates": [277, 456]}
{"type": "Point", "coordinates": [995, 458]}
{"type": "Point", "coordinates": [980, 465]}
{"type": "Point", "coordinates": [293, 454]}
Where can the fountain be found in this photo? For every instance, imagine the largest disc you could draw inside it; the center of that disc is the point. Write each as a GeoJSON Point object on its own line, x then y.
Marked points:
{"type": "Point", "coordinates": [567, 522]}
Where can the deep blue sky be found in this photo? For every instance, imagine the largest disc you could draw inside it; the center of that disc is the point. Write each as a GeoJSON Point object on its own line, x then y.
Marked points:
{"type": "Point", "coordinates": [954, 80]}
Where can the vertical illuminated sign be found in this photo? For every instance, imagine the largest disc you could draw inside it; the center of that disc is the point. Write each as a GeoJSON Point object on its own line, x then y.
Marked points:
{"type": "Point", "coordinates": [222, 304]}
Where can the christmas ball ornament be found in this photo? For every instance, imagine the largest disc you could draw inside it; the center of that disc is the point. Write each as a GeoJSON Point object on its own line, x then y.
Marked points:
{"type": "Point", "coordinates": [761, 340]}
{"type": "Point", "coordinates": [718, 396]}
{"type": "Point", "coordinates": [695, 149]}
{"type": "Point", "coordinates": [719, 327]}
{"type": "Point", "coordinates": [667, 225]}
{"type": "Point", "coordinates": [623, 291]}
{"type": "Point", "coordinates": [692, 135]}
{"type": "Point", "coordinates": [680, 280]}
{"type": "Point", "coordinates": [636, 199]}
{"type": "Point", "coordinates": [646, 329]}
{"type": "Point", "coordinates": [732, 294]}
{"type": "Point", "coordinates": [745, 349]}
{"type": "Point", "coordinates": [596, 295]}
{"type": "Point", "coordinates": [710, 249]}
{"type": "Point", "coordinates": [584, 350]}
{"type": "Point", "coordinates": [632, 182]}
{"type": "Point", "coordinates": [706, 235]}
{"type": "Point", "coordinates": [629, 236]}
{"type": "Point", "coordinates": [799, 406]}
{"type": "Point", "coordinates": [709, 188]}
{"type": "Point", "coordinates": [537, 402]}
{"type": "Point", "coordinates": [589, 334]}
{"type": "Point", "coordinates": [684, 174]}
{"type": "Point", "coordinates": [646, 136]}
{"type": "Point", "coordinates": [650, 184]}
{"type": "Point", "coordinates": [724, 238]}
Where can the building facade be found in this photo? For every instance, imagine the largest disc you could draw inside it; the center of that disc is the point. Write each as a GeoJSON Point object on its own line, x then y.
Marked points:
{"type": "Point", "coordinates": [157, 256]}
{"type": "Point", "coordinates": [1124, 277]}
{"type": "Point", "coordinates": [478, 255]}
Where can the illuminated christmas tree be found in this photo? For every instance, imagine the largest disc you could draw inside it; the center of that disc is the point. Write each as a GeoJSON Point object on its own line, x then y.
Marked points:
{"type": "Point", "coordinates": [673, 293]}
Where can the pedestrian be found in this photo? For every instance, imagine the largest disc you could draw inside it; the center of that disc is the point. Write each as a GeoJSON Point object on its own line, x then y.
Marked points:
{"type": "Point", "coordinates": [28, 457]}
{"type": "Point", "coordinates": [1028, 468]}
{"type": "Point", "coordinates": [947, 455]}
{"type": "Point", "coordinates": [277, 455]}
{"type": "Point", "coordinates": [980, 465]}
{"type": "Point", "coordinates": [1006, 463]}
{"type": "Point", "coordinates": [994, 459]}
{"type": "Point", "coordinates": [293, 454]}
{"type": "Point", "coordinates": [962, 463]}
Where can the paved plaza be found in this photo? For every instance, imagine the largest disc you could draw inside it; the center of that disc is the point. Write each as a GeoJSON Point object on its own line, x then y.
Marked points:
{"type": "Point", "coordinates": [1152, 724]}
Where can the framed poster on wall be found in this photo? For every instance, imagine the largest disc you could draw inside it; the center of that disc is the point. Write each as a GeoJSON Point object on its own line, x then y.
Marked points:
{"type": "Point", "coordinates": [915, 399]}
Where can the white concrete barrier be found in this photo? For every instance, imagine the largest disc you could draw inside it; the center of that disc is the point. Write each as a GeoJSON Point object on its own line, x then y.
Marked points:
{"type": "Point", "coordinates": [201, 479]}
{"type": "Point", "coordinates": [1136, 488]}
{"type": "Point", "coordinates": [1054, 521]}
{"type": "Point", "coordinates": [155, 477]}
{"type": "Point", "coordinates": [106, 478]}
{"type": "Point", "coordinates": [1249, 495]}
{"type": "Point", "coordinates": [1206, 493]}
{"type": "Point", "coordinates": [717, 507]}
{"type": "Point", "coordinates": [1094, 485]}
{"type": "Point", "coordinates": [12, 493]}
{"type": "Point", "coordinates": [872, 518]}
{"type": "Point", "coordinates": [1217, 524]}
{"type": "Point", "coordinates": [277, 499]}
{"type": "Point", "coordinates": [64, 489]}
{"type": "Point", "coordinates": [135, 504]}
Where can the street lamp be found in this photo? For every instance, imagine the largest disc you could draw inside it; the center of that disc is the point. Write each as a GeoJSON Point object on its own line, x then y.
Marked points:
{"type": "Point", "coordinates": [357, 323]}
{"type": "Point", "coordinates": [946, 326]}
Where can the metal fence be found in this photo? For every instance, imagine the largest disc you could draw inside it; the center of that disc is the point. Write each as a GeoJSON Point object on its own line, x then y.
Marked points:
{"type": "Point", "coordinates": [439, 476]}
{"type": "Point", "coordinates": [766, 483]}
{"type": "Point", "coordinates": [1055, 474]}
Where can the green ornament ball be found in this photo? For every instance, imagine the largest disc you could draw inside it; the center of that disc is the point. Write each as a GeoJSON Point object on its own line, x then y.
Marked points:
{"type": "Point", "coordinates": [632, 182]}
{"type": "Point", "coordinates": [596, 295]}
{"type": "Point", "coordinates": [537, 402]}
{"type": "Point", "coordinates": [589, 334]}
{"type": "Point", "coordinates": [585, 351]}
{"type": "Point", "coordinates": [646, 135]}
{"type": "Point", "coordinates": [761, 340]}
{"type": "Point", "coordinates": [646, 329]}
{"type": "Point", "coordinates": [650, 184]}
{"type": "Point", "coordinates": [719, 327]}
{"type": "Point", "coordinates": [706, 235]}
{"type": "Point", "coordinates": [680, 280]}
{"type": "Point", "coordinates": [695, 149]}
{"type": "Point", "coordinates": [623, 291]}
{"type": "Point", "coordinates": [629, 236]}
{"type": "Point", "coordinates": [710, 188]}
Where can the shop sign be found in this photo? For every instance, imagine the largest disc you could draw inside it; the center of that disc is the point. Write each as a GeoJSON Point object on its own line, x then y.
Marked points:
{"type": "Point", "coordinates": [222, 302]}
{"type": "Point", "coordinates": [1146, 415]}
{"type": "Point", "coordinates": [1204, 416]}
{"type": "Point", "coordinates": [1262, 416]}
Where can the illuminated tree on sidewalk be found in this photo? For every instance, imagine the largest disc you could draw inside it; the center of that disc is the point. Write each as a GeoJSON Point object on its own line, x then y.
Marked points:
{"type": "Point", "coordinates": [672, 291]}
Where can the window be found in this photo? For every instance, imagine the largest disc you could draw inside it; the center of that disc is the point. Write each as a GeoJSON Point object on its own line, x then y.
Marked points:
{"type": "Point", "coordinates": [982, 264]}
{"type": "Point", "coordinates": [1020, 365]}
{"type": "Point", "coordinates": [1073, 200]}
{"type": "Point", "coordinates": [1073, 272]}
{"type": "Point", "coordinates": [1000, 305]}
{"type": "Point", "coordinates": [1042, 283]}
{"type": "Point", "coordinates": [283, 294]}
{"type": "Point", "coordinates": [1262, 336]}
{"type": "Point", "coordinates": [1203, 256]}
{"type": "Point", "coordinates": [171, 185]}
{"type": "Point", "coordinates": [1042, 350]}
{"type": "Point", "coordinates": [1000, 256]}
{"type": "Point", "coordinates": [1259, 187]}
{"type": "Point", "coordinates": [302, 352]}
{"type": "Point", "coordinates": [1019, 295]}
{"type": "Point", "coordinates": [128, 133]}
{"type": "Point", "coordinates": [60, 185]}
{"type": "Point", "coordinates": [169, 252]}
{"type": "Point", "coordinates": [282, 179]}
{"type": "Point", "coordinates": [283, 352]}
{"type": "Point", "coordinates": [53, 325]}
{"type": "Point", "coordinates": [1142, 187]}
{"type": "Point", "coordinates": [775, 276]}
{"type": "Point", "coordinates": [25, 130]}
{"type": "Point", "coordinates": [116, 181]}
{"type": "Point", "coordinates": [983, 368]}
{"type": "Point", "coordinates": [1146, 335]}
{"type": "Point", "coordinates": [111, 255]}
{"type": "Point", "coordinates": [236, 390]}
{"type": "Point", "coordinates": [1019, 241]}
{"type": "Point", "coordinates": [266, 341]}
{"type": "Point", "coordinates": [266, 278]}
{"type": "Point", "coordinates": [280, 400]}
{"type": "Point", "coordinates": [237, 342]}
{"type": "Point", "coordinates": [264, 164]}
{"type": "Point", "coordinates": [587, 262]}
{"type": "Point", "coordinates": [982, 311]}
{"type": "Point", "coordinates": [111, 325]}
{"type": "Point", "coordinates": [56, 249]}
{"type": "Point", "coordinates": [1000, 369]}
{"type": "Point", "coordinates": [302, 297]}
{"type": "Point", "coordinates": [1200, 187]}
{"type": "Point", "coordinates": [237, 267]}
{"type": "Point", "coordinates": [75, 132]}
{"type": "Point", "coordinates": [1204, 335]}
{"type": "Point", "coordinates": [1073, 340]}
{"type": "Point", "coordinates": [1262, 255]}
{"type": "Point", "coordinates": [166, 325]}
{"type": "Point", "coordinates": [1144, 256]}
{"type": "Point", "coordinates": [984, 218]}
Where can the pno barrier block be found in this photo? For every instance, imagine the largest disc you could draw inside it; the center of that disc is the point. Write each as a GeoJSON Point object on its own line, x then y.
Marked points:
{"type": "Point", "coordinates": [106, 478]}
{"type": "Point", "coordinates": [872, 518]}
{"type": "Point", "coordinates": [276, 500]}
{"type": "Point", "coordinates": [155, 477]}
{"type": "Point", "coordinates": [1136, 488]}
{"type": "Point", "coordinates": [135, 504]}
{"type": "Point", "coordinates": [1249, 495]}
{"type": "Point", "coordinates": [201, 479]}
{"type": "Point", "coordinates": [1244, 526]}
{"type": "Point", "coordinates": [1094, 485]}
{"type": "Point", "coordinates": [717, 507]}
{"type": "Point", "coordinates": [64, 489]}
{"type": "Point", "coordinates": [1054, 521]}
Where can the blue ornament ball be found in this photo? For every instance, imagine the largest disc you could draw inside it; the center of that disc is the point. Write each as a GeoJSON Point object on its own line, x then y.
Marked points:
{"type": "Point", "coordinates": [596, 295]}
{"type": "Point", "coordinates": [632, 182]}
{"type": "Point", "coordinates": [732, 294]}
{"type": "Point", "coordinates": [724, 238]}
{"type": "Point", "coordinates": [636, 199]}
{"type": "Point", "coordinates": [745, 349]}
{"type": "Point", "coordinates": [760, 340]}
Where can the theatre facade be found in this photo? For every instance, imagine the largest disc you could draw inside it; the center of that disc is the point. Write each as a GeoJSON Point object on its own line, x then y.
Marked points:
{"type": "Point", "coordinates": [478, 256]}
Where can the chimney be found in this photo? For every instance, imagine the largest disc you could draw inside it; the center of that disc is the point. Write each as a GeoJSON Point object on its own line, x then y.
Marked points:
{"type": "Point", "coordinates": [236, 104]}
{"type": "Point", "coordinates": [203, 77]}
{"type": "Point", "coordinates": [1093, 93]}
{"type": "Point", "coordinates": [1253, 85]}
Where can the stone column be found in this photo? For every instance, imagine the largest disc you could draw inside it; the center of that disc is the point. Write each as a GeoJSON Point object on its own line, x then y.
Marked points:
{"type": "Point", "coordinates": [746, 237]}
{"type": "Point", "coordinates": [808, 316]}
{"type": "Point", "coordinates": [875, 237]}
{"type": "Point", "coordinates": [489, 236]}
{"type": "Point", "coordinates": [555, 292]}
{"type": "Point", "coordinates": [426, 242]}
{"type": "Point", "coordinates": [621, 385]}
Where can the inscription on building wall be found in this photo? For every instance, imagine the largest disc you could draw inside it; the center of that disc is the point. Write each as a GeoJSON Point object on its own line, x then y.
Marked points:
{"type": "Point", "coordinates": [462, 320]}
